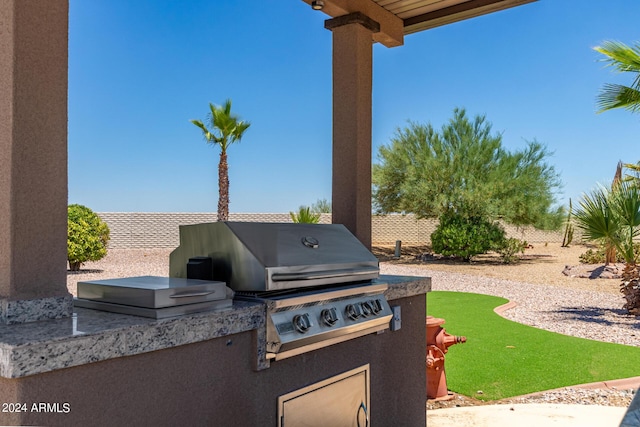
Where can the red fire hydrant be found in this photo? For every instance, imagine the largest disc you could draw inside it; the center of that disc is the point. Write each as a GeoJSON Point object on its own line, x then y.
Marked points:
{"type": "Point", "coordinates": [438, 343]}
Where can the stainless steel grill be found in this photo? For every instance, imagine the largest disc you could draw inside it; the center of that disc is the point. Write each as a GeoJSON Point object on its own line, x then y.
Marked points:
{"type": "Point", "coordinates": [316, 280]}
{"type": "Point", "coordinates": [251, 256]}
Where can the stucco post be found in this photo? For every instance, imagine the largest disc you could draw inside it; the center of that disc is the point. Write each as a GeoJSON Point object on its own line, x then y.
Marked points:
{"type": "Point", "coordinates": [33, 160]}
{"type": "Point", "coordinates": [352, 86]}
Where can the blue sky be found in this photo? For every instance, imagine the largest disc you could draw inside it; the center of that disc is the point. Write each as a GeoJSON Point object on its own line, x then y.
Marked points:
{"type": "Point", "coordinates": [140, 70]}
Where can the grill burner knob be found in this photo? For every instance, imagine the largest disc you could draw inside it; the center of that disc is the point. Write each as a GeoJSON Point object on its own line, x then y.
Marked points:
{"type": "Point", "coordinates": [329, 316]}
{"type": "Point", "coordinates": [376, 307]}
{"type": "Point", "coordinates": [301, 322]}
{"type": "Point", "coordinates": [353, 311]}
{"type": "Point", "coordinates": [367, 310]}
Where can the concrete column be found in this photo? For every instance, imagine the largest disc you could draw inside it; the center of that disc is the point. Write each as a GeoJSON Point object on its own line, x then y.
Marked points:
{"type": "Point", "coordinates": [352, 83]}
{"type": "Point", "coordinates": [33, 160]}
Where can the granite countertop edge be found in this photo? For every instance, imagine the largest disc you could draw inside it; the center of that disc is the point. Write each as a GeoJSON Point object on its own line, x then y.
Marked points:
{"type": "Point", "coordinates": [91, 336]}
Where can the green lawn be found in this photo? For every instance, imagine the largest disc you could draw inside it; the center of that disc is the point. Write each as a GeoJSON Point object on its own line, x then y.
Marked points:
{"type": "Point", "coordinates": [504, 358]}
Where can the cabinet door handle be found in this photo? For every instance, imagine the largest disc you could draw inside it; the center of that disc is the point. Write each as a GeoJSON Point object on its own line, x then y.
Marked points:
{"type": "Point", "coordinates": [363, 407]}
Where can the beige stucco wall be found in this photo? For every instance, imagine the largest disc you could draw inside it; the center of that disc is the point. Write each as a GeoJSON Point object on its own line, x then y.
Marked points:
{"type": "Point", "coordinates": [158, 230]}
{"type": "Point", "coordinates": [212, 382]}
{"type": "Point", "coordinates": [33, 159]}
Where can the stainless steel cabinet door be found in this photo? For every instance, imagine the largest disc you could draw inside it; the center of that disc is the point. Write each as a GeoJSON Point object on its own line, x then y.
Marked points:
{"type": "Point", "coordinates": [340, 401]}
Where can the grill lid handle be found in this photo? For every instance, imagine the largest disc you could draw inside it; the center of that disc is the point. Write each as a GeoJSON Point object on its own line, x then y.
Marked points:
{"type": "Point", "coordinates": [328, 274]}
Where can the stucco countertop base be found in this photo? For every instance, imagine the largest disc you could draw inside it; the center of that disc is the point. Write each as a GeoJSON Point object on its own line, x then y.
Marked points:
{"type": "Point", "coordinates": [91, 336]}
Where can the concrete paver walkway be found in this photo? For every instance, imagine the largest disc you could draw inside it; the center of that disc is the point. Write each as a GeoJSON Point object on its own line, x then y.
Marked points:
{"type": "Point", "coordinates": [527, 415]}
{"type": "Point", "coordinates": [536, 414]}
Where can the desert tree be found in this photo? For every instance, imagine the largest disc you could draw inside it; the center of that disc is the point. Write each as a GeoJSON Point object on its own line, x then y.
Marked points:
{"type": "Point", "coordinates": [464, 168]}
{"type": "Point", "coordinates": [463, 175]}
{"type": "Point", "coordinates": [321, 206]}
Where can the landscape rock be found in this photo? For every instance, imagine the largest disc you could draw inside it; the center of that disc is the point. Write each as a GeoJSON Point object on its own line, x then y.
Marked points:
{"type": "Point", "coordinates": [594, 271]}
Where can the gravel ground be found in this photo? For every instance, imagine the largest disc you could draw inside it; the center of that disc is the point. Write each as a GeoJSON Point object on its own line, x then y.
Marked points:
{"type": "Point", "coordinates": [122, 263]}
{"type": "Point", "coordinates": [545, 299]}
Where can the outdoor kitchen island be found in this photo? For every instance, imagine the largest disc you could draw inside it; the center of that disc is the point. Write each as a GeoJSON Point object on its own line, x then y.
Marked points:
{"type": "Point", "coordinates": [102, 368]}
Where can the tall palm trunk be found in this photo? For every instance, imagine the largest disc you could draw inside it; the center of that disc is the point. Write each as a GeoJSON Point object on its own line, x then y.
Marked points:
{"type": "Point", "coordinates": [223, 187]}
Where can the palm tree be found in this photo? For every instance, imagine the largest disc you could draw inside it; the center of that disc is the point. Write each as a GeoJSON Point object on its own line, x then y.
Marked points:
{"type": "Point", "coordinates": [624, 59]}
{"type": "Point", "coordinates": [226, 128]}
{"type": "Point", "coordinates": [610, 255]}
{"type": "Point", "coordinates": [613, 216]}
{"type": "Point", "coordinates": [305, 216]}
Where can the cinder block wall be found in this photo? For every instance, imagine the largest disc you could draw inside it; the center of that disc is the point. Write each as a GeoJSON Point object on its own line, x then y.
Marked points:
{"type": "Point", "coordinates": [386, 229]}
{"type": "Point", "coordinates": [160, 230]}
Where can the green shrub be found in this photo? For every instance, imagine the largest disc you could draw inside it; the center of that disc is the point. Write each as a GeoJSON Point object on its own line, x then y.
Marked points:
{"type": "Point", "coordinates": [597, 256]}
{"type": "Point", "coordinates": [510, 248]}
{"type": "Point", "coordinates": [87, 236]}
{"type": "Point", "coordinates": [465, 236]}
{"type": "Point", "coordinates": [593, 256]}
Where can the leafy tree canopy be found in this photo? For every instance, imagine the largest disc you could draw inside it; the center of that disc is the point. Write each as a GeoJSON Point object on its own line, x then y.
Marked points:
{"type": "Point", "coordinates": [321, 206]}
{"type": "Point", "coordinates": [463, 168]}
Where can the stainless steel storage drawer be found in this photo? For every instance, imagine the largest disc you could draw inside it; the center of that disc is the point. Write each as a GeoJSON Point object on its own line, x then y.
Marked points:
{"type": "Point", "coordinates": [152, 291]}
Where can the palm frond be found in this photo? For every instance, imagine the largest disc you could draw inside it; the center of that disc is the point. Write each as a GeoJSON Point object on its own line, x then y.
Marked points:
{"type": "Point", "coordinates": [226, 107]}
{"type": "Point", "coordinates": [305, 216]}
{"type": "Point", "coordinates": [633, 166]}
{"type": "Point", "coordinates": [634, 175]}
{"type": "Point", "coordinates": [595, 216]}
{"type": "Point", "coordinates": [622, 58]}
{"type": "Point", "coordinates": [208, 136]}
{"type": "Point", "coordinates": [618, 96]}
{"type": "Point", "coordinates": [626, 202]}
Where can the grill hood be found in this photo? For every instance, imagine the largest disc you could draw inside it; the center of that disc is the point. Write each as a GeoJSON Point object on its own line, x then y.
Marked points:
{"type": "Point", "coordinates": [257, 257]}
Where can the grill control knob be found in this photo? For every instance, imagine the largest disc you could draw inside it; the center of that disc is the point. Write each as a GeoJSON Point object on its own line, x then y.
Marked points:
{"type": "Point", "coordinates": [353, 311]}
{"type": "Point", "coordinates": [376, 307]}
{"type": "Point", "coordinates": [301, 322]}
{"type": "Point", "coordinates": [366, 308]}
{"type": "Point", "coordinates": [329, 316]}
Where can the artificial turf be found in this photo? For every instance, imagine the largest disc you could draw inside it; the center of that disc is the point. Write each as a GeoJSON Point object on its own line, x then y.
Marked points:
{"type": "Point", "coordinates": [502, 358]}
